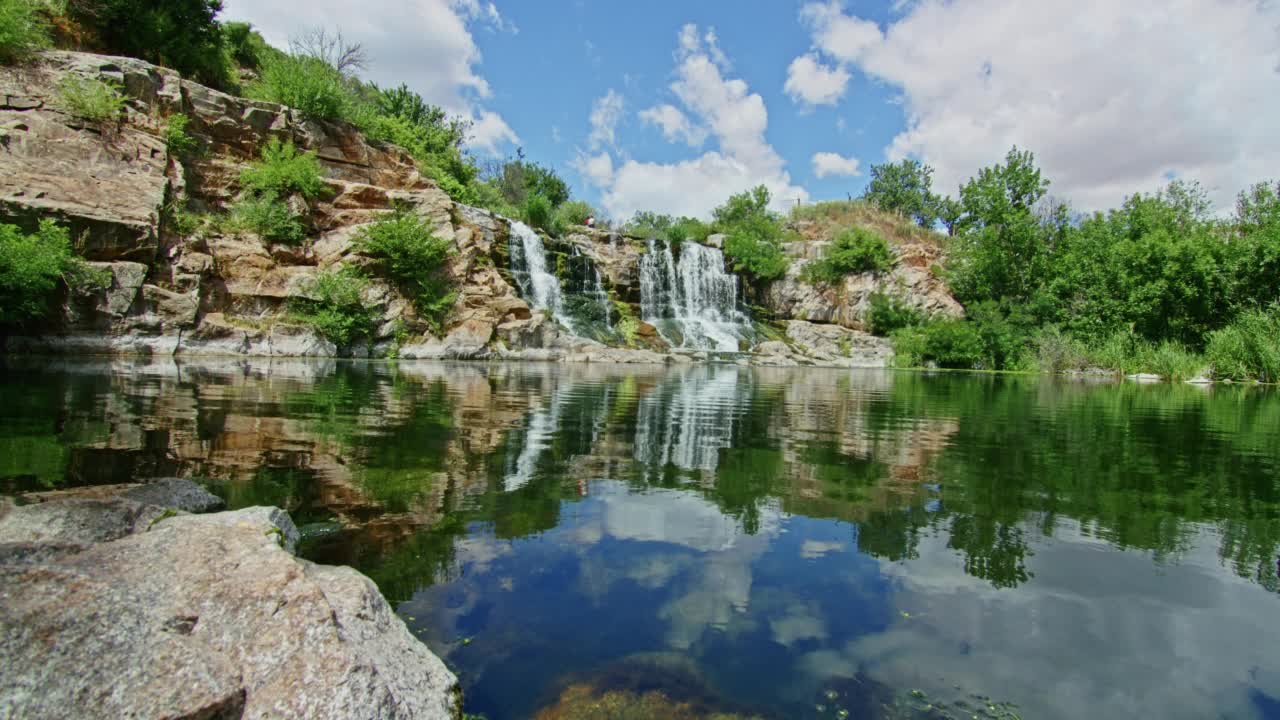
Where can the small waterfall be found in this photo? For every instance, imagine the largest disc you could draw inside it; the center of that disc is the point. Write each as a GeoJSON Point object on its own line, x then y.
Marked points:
{"type": "Point", "coordinates": [590, 284]}
{"type": "Point", "coordinates": [693, 303]}
{"type": "Point", "coordinates": [529, 268]}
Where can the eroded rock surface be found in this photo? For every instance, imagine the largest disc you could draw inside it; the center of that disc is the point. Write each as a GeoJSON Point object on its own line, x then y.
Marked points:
{"type": "Point", "coordinates": [206, 616]}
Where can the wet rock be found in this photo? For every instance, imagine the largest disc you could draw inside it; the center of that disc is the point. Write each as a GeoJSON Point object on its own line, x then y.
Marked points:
{"type": "Point", "coordinates": [207, 616]}
{"type": "Point", "coordinates": [175, 493]}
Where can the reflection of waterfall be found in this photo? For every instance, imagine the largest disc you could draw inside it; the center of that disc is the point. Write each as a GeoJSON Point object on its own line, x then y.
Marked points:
{"type": "Point", "coordinates": [529, 268]}
{"type": "Point", "coordinates": [693, 303]}
{"type": "Point", "coordinates": [688, 421]}
{"type": "Point", "coordinates": [574, 419]}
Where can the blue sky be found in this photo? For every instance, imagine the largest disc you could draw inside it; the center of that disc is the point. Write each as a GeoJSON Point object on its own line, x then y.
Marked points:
{"type": "Point", "coordinates": [672, 106]}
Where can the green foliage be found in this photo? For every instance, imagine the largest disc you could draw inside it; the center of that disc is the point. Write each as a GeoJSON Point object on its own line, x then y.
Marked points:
{"type": "Point", "coordinates": [246, 47]}
{"type": "Point", "coordinates": [22, 30]}
{"type": "Point", "coordinates": [905, 188]}
{"type": "Point", "coordinates": [284, 171]}
{"type": "Point", "coordinates": [267, 217]}
{"type": "Point", "coordinates": [307, 84]}
{"type": "Point", "coordinates": [91, 99]}
{"type": "Point", "coordinates": [890, 313]}
{"type": "Point", "coordinates": [539, 213]}
{"type": "Point", "coordinates": [1056, 352]}
{"type": "Point", "coordinates": [1158, 264]}
{"type": "Point", "coordinates": [666, 227]}
{"type": "Point", "coordinates": [177, 139]}
{"type": "Point", "coordinates": [573, 212]}
{"type": "Point", "coordinates": [516, 180]}
{"type": "Point", "coordinates": [1249, 348]}
{"type": "Point", "coordinates": [434, 139]}
{"type": "Point", "coordinates": [411, 256]}
{"type": "Point", "coordinates": [1255, 258]}
{"type": "Point", "coordinates": [181, 34]}
{"type": "Point", "coordinates": [855, 250]}
{"type": "Point", "coordinates": [945, 343]}
{"type": "Point", "coordinates": [32, 269]}
{"type": "Point", "coordinates": [334, 306]}
{"type": "Point", "coordinates": [753, 234]}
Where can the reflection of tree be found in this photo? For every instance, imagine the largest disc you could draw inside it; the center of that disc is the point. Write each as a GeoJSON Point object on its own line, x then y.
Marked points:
{"type": "Point", "coordinates": [993, 551]}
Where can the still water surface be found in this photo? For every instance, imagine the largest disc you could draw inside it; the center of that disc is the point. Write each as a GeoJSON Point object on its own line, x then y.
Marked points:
{"type": "Point", "coordinates": [779, 543]}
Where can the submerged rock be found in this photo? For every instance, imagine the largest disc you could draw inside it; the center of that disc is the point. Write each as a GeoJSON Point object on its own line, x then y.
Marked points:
{"type": "Point", "coordinates": [203, 616]}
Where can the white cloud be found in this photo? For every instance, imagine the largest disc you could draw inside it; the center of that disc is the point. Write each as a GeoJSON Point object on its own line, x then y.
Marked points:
{"type": "Point", "coordinates": [1112, 97]}
{"type": "Point", "coordinates": [425, 43]}
{"type": "Point", "coordinates": [606, 111]}
{"type": "Point", "coordinates": [598, 169]}
{"type": "Point", "coordinates": [734, 116]}
{"type": "Point", "coordinates": [826, 164]}
{"type": "Point", "coordinates": [810, 82]}
{"type": "Point", "coordinates": [675, 125]}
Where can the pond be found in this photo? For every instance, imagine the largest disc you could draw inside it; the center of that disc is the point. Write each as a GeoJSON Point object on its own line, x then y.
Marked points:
{"type": "Point", "coordinates": [779, 543]}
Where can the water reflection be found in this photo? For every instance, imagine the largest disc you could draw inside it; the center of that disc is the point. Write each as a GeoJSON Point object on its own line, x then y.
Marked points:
{"type": "Point", "coordinates": [777, 537]}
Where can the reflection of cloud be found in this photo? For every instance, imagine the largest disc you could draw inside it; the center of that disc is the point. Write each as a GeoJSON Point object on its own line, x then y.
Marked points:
{"type": "Point", "coordinates": [1106, 636]}
{"type": "Point", "coordinates": [670, 516]}
{"type": "Point", "coordinates": [814, 549]}
{"type": "Point", "coordinates": [800, 623]}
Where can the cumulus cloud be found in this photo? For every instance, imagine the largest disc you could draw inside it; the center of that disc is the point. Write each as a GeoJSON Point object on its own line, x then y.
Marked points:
{"type": "Point", "coordinates": [827, 164]}
{"type": "Point", "coordinates": [731, 114]}
{"type": "Point", "coordinates": [809, 82]}
{"type": "Point", "coordinates": [425, 43]}
{"type": "Point", "coordinates": [605, 114]}
{"type": "Point", "coordinates": [1113, 97]}
{"type": "Point", "coordinates": [675, 125]}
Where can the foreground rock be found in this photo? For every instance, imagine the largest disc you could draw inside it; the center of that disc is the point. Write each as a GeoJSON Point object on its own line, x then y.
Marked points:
{"type": "Point", "coordinates": [200, 616]}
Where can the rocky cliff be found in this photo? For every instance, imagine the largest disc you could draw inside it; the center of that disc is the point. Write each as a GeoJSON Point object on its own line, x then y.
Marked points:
{"type": "Point", "coordinates": [212, 291]}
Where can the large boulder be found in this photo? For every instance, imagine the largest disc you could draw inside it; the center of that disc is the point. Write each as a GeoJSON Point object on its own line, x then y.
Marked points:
{"type": "Point", "coordinates": [208, 616]}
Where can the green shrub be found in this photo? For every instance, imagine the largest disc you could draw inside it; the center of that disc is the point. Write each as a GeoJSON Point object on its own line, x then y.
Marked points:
{"type": "Point", "coordinates": [181, 34]}
{"type": "Point", "coordinates": [91, 99]}
{"type": "Point", "coordinates": [539, 213]}
{"type": "Point", "coordinates": [1056, 352]}
{"type": "Point", "coordinates": [176, 138]}
{"type": "Point", "coordinates": [412, 257]}
{"type": "Point", "coordinates": [1171, 360]}
{"type": "Point", "coordinates": [246, 47]}
{"type": "Point", "coordinates": [22, 30]}
{"type": "Point", "coordinates": [890, 313]}
{"type": "Point", "coordinates": [946, 343]}
{"type": "Point", "coordinates": [267, 217]}
{"type": "Point", "coordinates": [33, 267]}
{"type": "Point", "coordinates": [284, 171]}
{"type": "Point", "coordinates": [856, 250]}
{"type": "Point", "coordinates": [307, 84]}
{"type": "Point", "coordinates": [687, 228]}
{"type": "Point", "coordinates": [573, 213]}
{"type": "Point", "coordinates": [1248, 349]}
{"type": "Point", "coordinates": [335, 307]}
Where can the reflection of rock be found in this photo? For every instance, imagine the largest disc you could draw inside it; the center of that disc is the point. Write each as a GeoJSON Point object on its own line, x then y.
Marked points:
{"type": "Point", "coordinates": [207, 616]}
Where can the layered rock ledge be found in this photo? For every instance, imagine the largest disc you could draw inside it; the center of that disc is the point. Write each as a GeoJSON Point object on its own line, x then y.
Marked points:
{"type": "Point", "coordinates": [118, 603]}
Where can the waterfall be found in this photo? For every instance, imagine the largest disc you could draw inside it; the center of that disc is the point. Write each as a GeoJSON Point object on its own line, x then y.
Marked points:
{"type": "Point", "coordinates": [693, 303]}
{"type": "Point", "coordinates": [529, 268]}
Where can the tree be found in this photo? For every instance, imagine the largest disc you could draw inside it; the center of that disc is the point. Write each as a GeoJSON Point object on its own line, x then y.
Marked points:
{"type": "Point", "coordinates": [904, 188]}
{"type": "Point", "coordinates": [949, 212]}
{"type": "Point", "coordinates": [1001, 251]}
{"type": "Point", "coordinates": [753, 234]}
{"type": "Point", "coordinates": [181, 34]}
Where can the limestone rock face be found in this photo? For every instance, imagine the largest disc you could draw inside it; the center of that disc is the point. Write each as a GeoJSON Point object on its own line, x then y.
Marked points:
{"type": "Point", "coordinates": [208, 616]}
{"type": "Point", "coordinates": [215, 290]}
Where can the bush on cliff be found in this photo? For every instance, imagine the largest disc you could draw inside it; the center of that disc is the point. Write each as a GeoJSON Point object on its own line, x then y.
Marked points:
{"type": "Point", "coordinates": [22, 30]}
{"type": "Point", "coordinates": [855, 250]}
{"type": "Point", "coordinates": [306, 84]}
{"type": "Point", "coordinates": [268, 218]}
{"type": "Point", "coordinates": [91, 99]}
{"type": "Point", "coordinates": [283, 171]}
{"type": "Point", "coordinates": [411, 256]}
{"type": "Point", "coordinates": [334, 306]}
{"type": "Point", "coordinates": [32, 269]}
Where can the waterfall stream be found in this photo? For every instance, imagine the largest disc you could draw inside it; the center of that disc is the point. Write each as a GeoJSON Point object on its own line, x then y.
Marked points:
{"type": "Point", "coordinates": [693, 302]}
{"type": "Point", "coordinates": [529, 268]}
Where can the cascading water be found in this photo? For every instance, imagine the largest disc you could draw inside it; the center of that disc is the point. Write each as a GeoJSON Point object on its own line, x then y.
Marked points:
{"type": "Point", "coordinates": [693, 303]}
{"type": "Point", "coordinates": [529, 268]}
